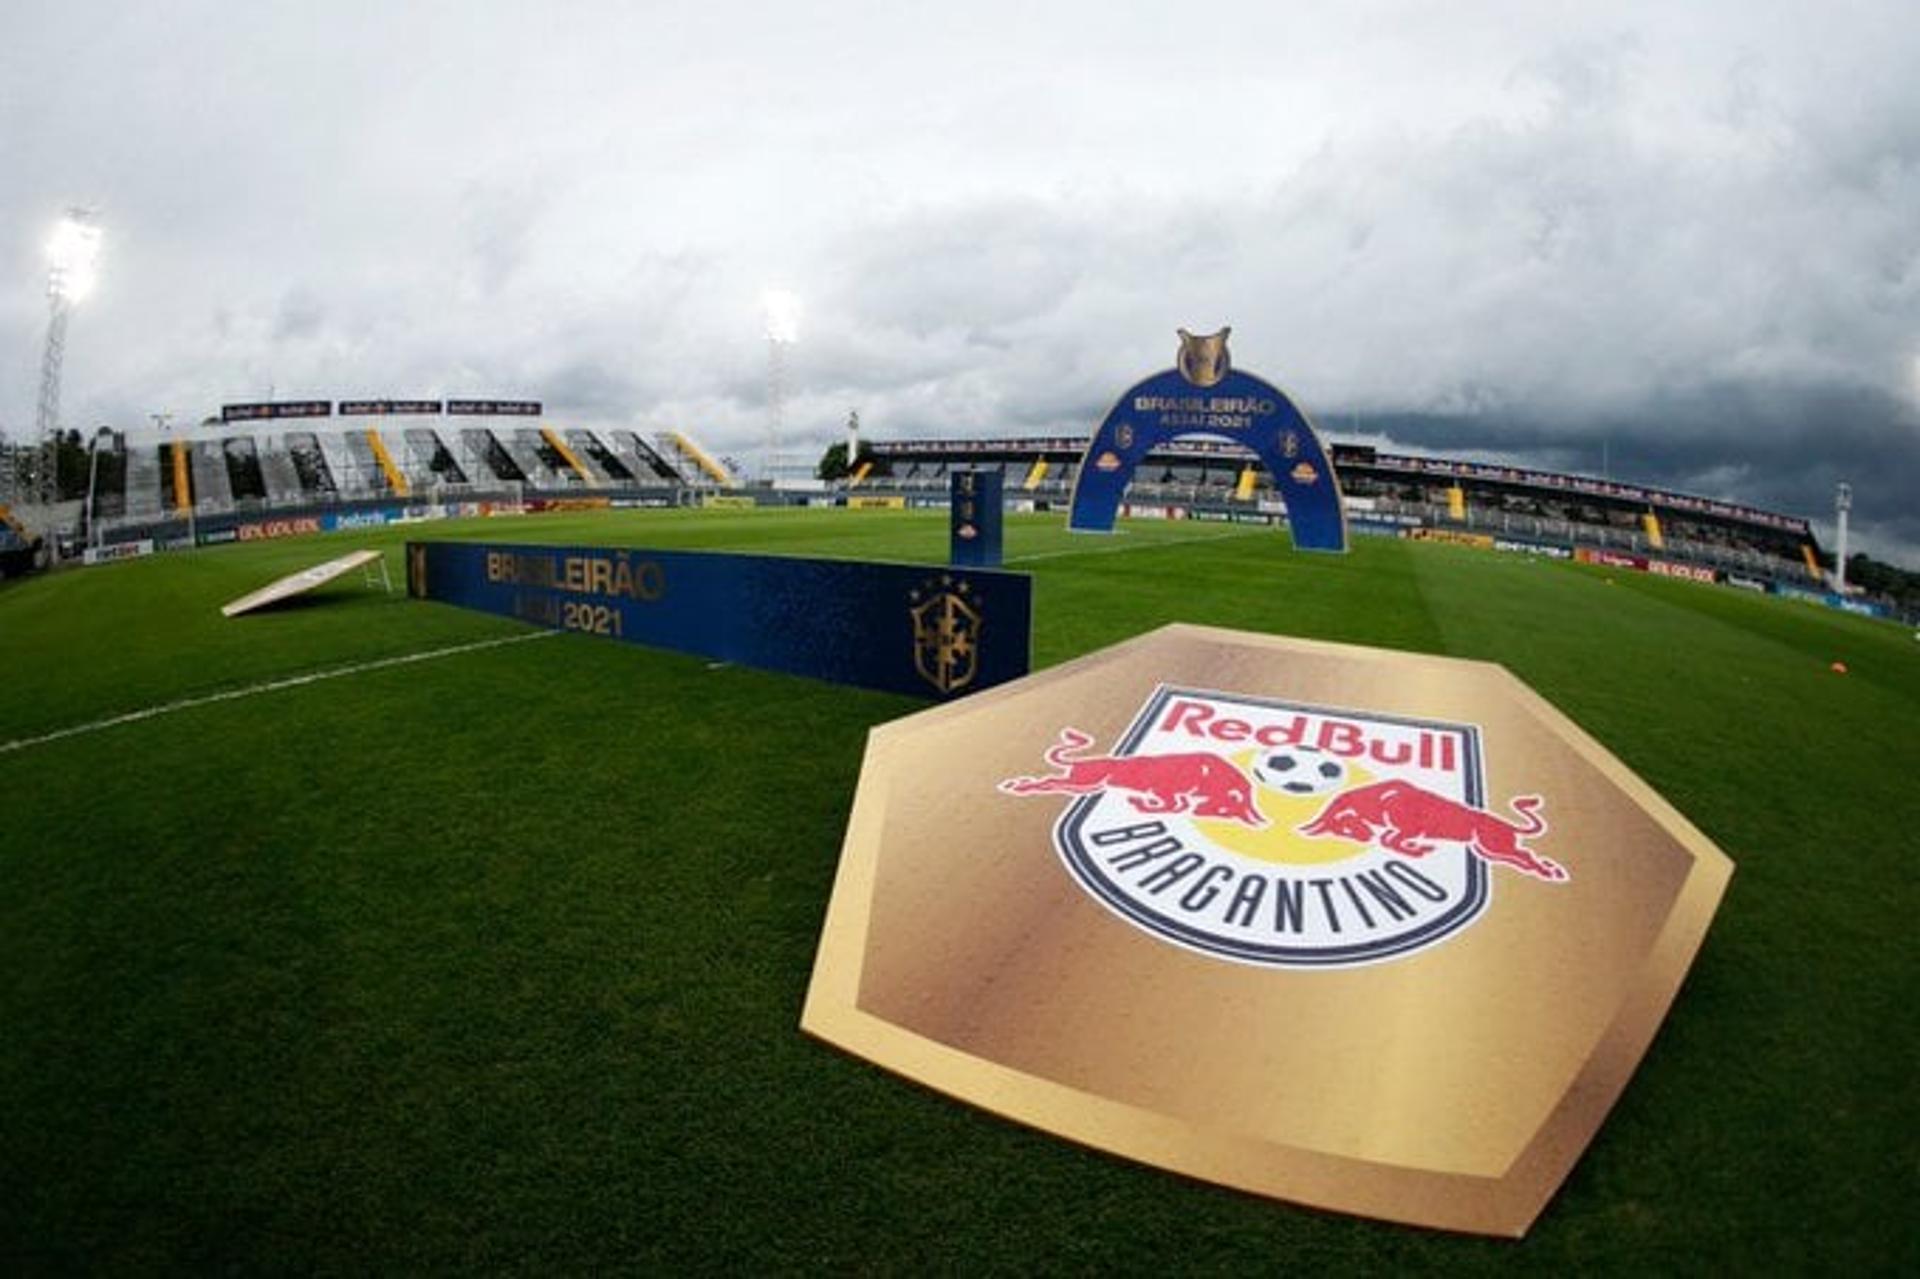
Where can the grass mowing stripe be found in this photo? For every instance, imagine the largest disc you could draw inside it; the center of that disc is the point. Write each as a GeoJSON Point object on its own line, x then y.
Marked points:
{"type": "Point", "coordinates": [271, 686]}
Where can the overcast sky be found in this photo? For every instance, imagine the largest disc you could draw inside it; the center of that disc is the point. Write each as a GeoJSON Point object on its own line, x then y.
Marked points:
{"type": "Point", "coordinates": [1685, 237]}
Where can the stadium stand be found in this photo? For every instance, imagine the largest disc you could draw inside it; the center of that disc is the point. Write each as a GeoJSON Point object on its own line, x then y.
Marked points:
{"type": "Point", "coordinates": [487, 458]}
{"type": "Point", "coordinates": [351, 477]}
{"type": "Point", "coordinates": [140, 492]}
{"type": "Point", "coordinates": [428, 460]}
{"type": "Point", "coordinates": [278, 471]}
{"type": "Point", "coordinates": [310, 464]}
{"type": "Point", "coordinates": [647, 466]}
{"type": "Point", "coordinates": [597, 458]}
{"type": "Point", "coordinates": [212, 485]}
{"type": "Point", "coordinates": [534, 458]}
{"type": "Point", "coordinates": [694, 462]}
{"type": "Point", "coordinates": [245, 477]}
{"type": "Point", "coordinates": [362, 465]}
{"type": "Point", "coordinates": [1386, 492]}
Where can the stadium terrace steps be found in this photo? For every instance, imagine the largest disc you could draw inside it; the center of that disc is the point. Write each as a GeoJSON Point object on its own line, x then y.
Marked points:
{"type": "Point", "coordinates": [598, 458]}
{"type": "Point", "coordinates": [212, 485]}
{"type": "Point", "coordinates": [143, 486]}
{"type": "Point", "coordinates": [695, 462]}
{"type": "Point", "coordinates": [428, 460]}
{"type": "Point", "coordinates": [351, 476]}
{"type": "Point", "coordinates": [642, 459]}
{"type": "Point", "coordinates": [310, 463]}
{"type": "Point", "coordinates": [485, 455]}
{"type": "Point", "coordinates": [281, 476]}
{"type": "Point", "coordinates": [523, 446]}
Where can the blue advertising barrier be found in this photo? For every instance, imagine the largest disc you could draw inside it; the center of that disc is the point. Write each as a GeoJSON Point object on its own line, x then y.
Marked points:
{"type": "Point", "coordinates": [974, 519]}
{"type": "Point", "coordinates": [1205, 396]}
{"type": "Point", "coordinates": [925, 630]}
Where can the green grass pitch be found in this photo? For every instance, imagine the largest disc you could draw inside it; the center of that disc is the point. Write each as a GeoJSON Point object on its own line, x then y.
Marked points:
{"type": "Point", "coordinates": [495, 962]}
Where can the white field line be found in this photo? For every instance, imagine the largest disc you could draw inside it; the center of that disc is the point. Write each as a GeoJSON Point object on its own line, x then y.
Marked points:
{"type": "Point", "coordinates": [1249, 531]}
{"type": "Point", "coordinates": [271, 686]}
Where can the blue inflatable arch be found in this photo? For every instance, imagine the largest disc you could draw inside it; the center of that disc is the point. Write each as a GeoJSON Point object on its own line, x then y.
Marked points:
{"type": "Point", "coordinates": [1205, 397]}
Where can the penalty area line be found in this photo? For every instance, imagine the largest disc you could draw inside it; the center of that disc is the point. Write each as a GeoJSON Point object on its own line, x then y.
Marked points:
{"type": "Point", "coordinates": [271, 686]}
{"type": "Point", "coordinates": [1138, 546]}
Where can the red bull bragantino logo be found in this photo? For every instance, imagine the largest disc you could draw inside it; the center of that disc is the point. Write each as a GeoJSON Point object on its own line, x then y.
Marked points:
{"type": "Point", "coordinates": [1286, 834]}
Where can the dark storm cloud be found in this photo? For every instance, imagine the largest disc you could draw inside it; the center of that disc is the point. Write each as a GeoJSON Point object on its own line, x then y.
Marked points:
{"type": "Point", "coordinates": [1784, 447]}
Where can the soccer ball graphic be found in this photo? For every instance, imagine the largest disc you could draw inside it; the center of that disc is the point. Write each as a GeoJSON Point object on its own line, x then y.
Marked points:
{"type": "Point", "coordinates": [1300, 770]}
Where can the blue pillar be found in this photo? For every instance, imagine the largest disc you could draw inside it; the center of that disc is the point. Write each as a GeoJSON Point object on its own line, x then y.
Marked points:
{"type": "Point", "coordinates": [974, 518]}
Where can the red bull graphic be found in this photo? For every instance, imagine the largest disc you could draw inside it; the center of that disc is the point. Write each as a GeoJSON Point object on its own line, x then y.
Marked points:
{"type": "Point", "coordinates": [1407, 820]}
{"type": "Point", "coordinates": [1203, 784]}
{"type": "Point", "coordinates": [1287, 835]}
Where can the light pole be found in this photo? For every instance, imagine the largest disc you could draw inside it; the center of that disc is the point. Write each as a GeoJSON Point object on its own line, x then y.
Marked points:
{"type": "Point", "coordinates": [73, 257]}
{"type": "Point", "coordinates": [1842, 503]}
{"type": "Point", "coordinates": [783, 330]}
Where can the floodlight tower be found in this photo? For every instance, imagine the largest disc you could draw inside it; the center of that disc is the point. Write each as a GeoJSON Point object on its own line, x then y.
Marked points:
{"type": "Point", "coordinates": [1842, 503]}
{"type": "Point", "coordinates": [73, 254]}
{"type": "Point", "coordinates": [783, 330]}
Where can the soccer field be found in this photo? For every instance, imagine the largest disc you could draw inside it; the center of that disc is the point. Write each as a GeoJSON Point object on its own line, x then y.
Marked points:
{"type": "Point", "coordinates": [488, 952]}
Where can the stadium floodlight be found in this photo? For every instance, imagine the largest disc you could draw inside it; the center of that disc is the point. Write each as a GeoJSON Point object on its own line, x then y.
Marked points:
{"type": "Point", "coordinates": [73, 255]}
{"type": "Point", "coordinates": [782, 311]}
{"type": "Point", "coordinates": [73, 259]}
{"type": "Point", "coordinates": [783, 316]}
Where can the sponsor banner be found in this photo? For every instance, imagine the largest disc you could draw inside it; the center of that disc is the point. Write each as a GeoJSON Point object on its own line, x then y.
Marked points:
{"type": "Point", "coordinates": [275, 409]}
{"type": "Point", "coordinates": [1831, 600]}
{"type": "Point", "coordinates": [1021, 506]}
{"type": "Point", "coordinates": [1609, 559]}
{"type": "Point", "coordinates": [859, 503]}
{"type": "Point", "coordinates": [1375, 526]}
{"type": "Point", "coordinates": [384, 408]}
{"type": "Point", "coordinates": [356, 519]}
{"type": "Point", "coordinates": [1514, 546]}
{"type": "Point", "coordinates": [1152, 511]}
{"type": "Point", "coordinates": [1127, 898]}
{"type": "Point", "coordinates": [503, 508]}
{"type": "Point", "coordinates": [1352, 504]}
{"type": "Point", "coordinates": [933, 632]}
{"type": "Point", "coordinates": [260, 530]}
{"type": "Point", "coordinates": [494, 408]}
{"type": "Point", "coordinates": [1211, 516]}
{"type": "Point", "coordinates": [118, 551]}
{"type": "Point", "coordinates": [1478, 541]}
{"type": "Point", "coordinates": [727, 501]}
{"type": "Point", "coordinates": [176, 544]}
{"type": "Point", "coordinates": [1255, 517]}
{"type": "Point", "coordinates": [644, 503]}
{"type": "Point", "coordinates": [217, 536]}
{"type": "Point", "coordinates": [1688, 572]}
{"type": "Point", "coordinates": [1745, 583]}
{"type": "Point", "coordinates": [569, 503]}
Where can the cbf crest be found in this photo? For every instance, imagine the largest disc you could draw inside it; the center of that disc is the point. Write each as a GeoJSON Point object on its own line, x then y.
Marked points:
{"type": "Point", "coordinates": [947, 623]}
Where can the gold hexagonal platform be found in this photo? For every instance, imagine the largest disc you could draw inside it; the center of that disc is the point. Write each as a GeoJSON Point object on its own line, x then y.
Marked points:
{"type": "Point", "coordinates": [1371, 931]}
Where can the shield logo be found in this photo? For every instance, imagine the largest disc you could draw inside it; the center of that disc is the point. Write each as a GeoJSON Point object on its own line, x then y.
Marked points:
{"type": "Point", "coordinates": [946, 639]}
